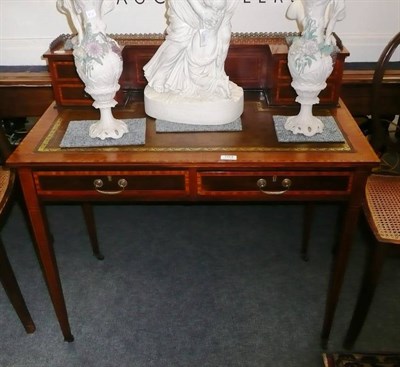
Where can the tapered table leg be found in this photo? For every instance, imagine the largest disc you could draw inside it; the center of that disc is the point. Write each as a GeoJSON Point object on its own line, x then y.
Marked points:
{"type": "Point", "coordinates": [338, 270]}
{"type": "Point", "coordinates": [45, 251]}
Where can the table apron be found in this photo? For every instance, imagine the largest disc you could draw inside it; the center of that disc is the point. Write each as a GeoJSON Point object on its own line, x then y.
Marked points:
{"type": "Point", "coordinates": [193, 184]}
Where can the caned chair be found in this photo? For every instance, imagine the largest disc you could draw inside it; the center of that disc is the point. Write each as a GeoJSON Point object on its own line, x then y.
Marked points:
{"type": "Point", "coordinates": [381, 203]}
{"type": "Point", "coordinates": [7, 276]}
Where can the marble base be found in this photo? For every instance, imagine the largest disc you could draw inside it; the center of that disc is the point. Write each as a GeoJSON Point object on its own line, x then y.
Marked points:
{"type": "Point", "coordinates": [184, 110]}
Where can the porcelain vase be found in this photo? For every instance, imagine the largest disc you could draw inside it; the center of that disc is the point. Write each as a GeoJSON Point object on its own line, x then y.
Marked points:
{"type": "Point", "coordinates": [310, 64]}
{"type": "Point", "coordinates": [99, 64]}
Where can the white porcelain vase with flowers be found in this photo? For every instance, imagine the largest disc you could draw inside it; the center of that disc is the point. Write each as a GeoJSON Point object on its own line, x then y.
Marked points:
{"type": "Point", "coordinates": [310, 58]}
{"type": "Point", "coordinates": [98, 62]}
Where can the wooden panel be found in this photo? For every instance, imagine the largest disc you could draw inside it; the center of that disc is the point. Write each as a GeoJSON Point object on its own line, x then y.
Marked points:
{"type": "Point", "coordinates": [97, 183]}
{"type": "Point", "coordinates": [16, 101]}
{"type": "Point", "coordinates": [30, 93]}
{"type": "Point", "coordinates": [246, 184]}
{"type": "Point", "coordinates": [357, 91]}
{"type": "Point", "coordinates": [247, 66]}
{"type": "Point", "coordinates": [66, 71]}
{"type": "Point", "coordinates": [256, 61]}
{"type": "Point", "coordinates": [24, 94]}
{"type": "Point", "coordinates": [21, 97]}
{"type": "Point", "coordinates": [134, 58]}
{"type": "Point", "coordinates": [73, 95]}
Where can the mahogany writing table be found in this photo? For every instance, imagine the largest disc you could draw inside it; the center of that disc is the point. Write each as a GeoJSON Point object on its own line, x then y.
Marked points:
{"type": "Point", "coordinates": [191, 167]}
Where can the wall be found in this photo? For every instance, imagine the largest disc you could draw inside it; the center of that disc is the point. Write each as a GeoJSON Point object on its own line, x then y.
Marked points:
{"type": "Point", "coordinates": [28, 26]}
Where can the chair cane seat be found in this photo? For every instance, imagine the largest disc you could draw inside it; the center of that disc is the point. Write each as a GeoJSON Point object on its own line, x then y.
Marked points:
{"type": "Point", "coordinates": [382, 196]}
{"type": "Point", "coordinates": [6, 183]}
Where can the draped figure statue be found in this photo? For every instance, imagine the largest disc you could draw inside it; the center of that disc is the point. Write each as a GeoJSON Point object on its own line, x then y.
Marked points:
{"type": "Point", "coordinates": [190, 64]}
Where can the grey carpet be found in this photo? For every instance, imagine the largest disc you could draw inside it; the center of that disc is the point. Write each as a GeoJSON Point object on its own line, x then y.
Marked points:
{"type": "Point", "coordinates": [191, 286]}
{"type": "Point", "coordinates": [163, 126]}
{"type": "Point", "coordinates": [330, 134]}
{"type": "Point", "coordinates": [77, 135]}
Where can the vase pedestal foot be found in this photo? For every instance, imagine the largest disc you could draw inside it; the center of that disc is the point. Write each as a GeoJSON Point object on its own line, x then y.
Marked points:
{"type": "Point", "coordinates": [104, 130]}
{"type": "Point", "coordinates": [306, 125]}
{"type": "Point", "coordinates": [107, 126]}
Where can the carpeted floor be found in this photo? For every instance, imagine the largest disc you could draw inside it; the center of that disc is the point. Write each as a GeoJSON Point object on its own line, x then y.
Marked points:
{"type": "Point", "coordinates": [189, 286]}
{"type": "Point", "coordinates": [361, 360]}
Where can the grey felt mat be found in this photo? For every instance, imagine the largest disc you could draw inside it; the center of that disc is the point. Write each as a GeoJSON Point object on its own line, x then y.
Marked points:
{"type": "Point", "coordinates": [77, 135]}
{"type": "Point", "coordinates": [163, 126]}
{"type": "Point", "coordinates": [330, 134]}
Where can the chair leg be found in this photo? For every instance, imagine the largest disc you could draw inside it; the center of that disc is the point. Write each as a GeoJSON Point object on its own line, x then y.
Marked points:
{"type": "Point", "coordinates": [307, 223]}
{"type": "Point", "coordinates": [371, 275]}
{"type": "Point", "coordinates": [13, 291]}
{"type": "Point", "coordinates": [91, 227]}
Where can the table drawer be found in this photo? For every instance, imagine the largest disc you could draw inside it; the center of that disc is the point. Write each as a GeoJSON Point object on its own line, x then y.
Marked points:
{"type": "Point", "coordinates": [72, 95]}
{"type": "Point", "coordinates": [272, 183]}
{"type": "Point", "coordinates": [65, 70]}
{"type": "Point", "coordinates": [140, 184]}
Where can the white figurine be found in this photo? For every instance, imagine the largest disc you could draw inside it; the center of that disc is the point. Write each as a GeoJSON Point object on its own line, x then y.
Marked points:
{"type": "Point", "coordinates": [98, 61]}
{"type": "Point", "coordinates": [310, 58]}
{"type": "Point", "coordinates": [186, 77]}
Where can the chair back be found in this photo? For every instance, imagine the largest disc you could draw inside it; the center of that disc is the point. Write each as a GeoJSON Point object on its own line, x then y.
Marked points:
{"type": "Point", "coordinates": [377, 129]}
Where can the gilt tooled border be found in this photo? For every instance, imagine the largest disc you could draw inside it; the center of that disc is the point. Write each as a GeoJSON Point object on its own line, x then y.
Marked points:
{"type": "Point", "coordinates": [44, 147]}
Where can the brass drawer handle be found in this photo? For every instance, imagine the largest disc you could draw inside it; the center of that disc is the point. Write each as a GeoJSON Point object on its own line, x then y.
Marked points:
{"type": "Point", "coordinates": [98, 184]}
{"type": "Point", "coordinates": [286, 183]}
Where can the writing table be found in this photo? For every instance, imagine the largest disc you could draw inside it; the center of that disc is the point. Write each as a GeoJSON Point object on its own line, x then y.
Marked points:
{"type": "Point", "coordinates": [190, 167]}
